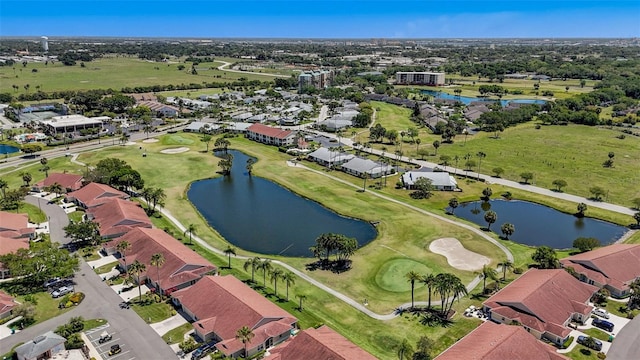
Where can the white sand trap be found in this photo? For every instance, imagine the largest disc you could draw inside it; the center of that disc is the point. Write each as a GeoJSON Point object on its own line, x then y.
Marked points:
{"type": "Point", "coordinates": [129, 143]}
{"type": "Point", "coordinates": [175, 150]}
{"type": "Point", "coordinates": [457, 256]}
{"type": "Point", "coordinates": [147, 141]}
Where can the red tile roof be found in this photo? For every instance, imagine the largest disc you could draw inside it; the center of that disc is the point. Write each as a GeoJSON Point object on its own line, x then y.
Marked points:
{"type": "Point", "coordinates": [7, 303]}
{"type": "Point", "coordinates": [616, 265]}
{"type": "Point", "coordinates": [272, 329]}
{"type": "Point", "coordinates": [116, 217]}
{"type": "Point", "coordinates": [491, 341]}
{"type": "Point", "coordinates": [11, 245]}
{"type": "Point", "coordinates": [94, 194]}
{"type": "Point", "coordinates": [269, 131]}
{"type": "Point", "coordinates": [182, 264]}
{"type": "Point", "coordinates": [14, 225]}
{"type": "Point", "coordinates": [224, 304]}
{"type": "Point", "coordinates": [322, 343]}
{"type": "Point", "coordinates": [549, 296]}
{"type": "Point", "coordinates": [72, 182]}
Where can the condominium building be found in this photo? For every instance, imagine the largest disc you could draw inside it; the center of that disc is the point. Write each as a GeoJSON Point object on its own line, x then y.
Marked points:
{"type": "Point", "coordinates": [420, 78]}
{"type": "Point", "coordinates": [319, 79]}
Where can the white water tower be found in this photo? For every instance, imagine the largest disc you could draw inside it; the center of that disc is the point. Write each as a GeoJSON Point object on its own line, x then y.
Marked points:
{"type": "Point", "coordinates": [45, 43]}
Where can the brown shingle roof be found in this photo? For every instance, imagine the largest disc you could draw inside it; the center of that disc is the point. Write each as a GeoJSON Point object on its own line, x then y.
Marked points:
{"type": "Point", "coordinates": [117, 216]}
{"type": "Point", "coordinates": [72, 182]}
{"type": "Point", "coordinates": [7, 303]}
{"type": "Point", "coordinates": [94, 194]}
{"type": "Point", "coordinates": [181, 265]}
{"type": "Point", "coordinates": [491, 341]}
{"type": "Point", "coordinates": [322, 343]}
{"type": "Point", "coordinates": [232, 303]}
{"type": "Point", "coordinates": [14, 225]}
{"type": "Point", "coordinates": [614, 264]}
{"type": "Point", "coordinates": [11, 245]}
{"type": "Point", "coordinates": [551, 296]}
{"type": "Point", "coordinates": [269, 131]}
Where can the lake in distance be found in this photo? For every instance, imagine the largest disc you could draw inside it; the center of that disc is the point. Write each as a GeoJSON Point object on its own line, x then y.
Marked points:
{"type": "Point", "coordinates": [538, 225]}
{"type": "Point", "coordinates": [261, 216]}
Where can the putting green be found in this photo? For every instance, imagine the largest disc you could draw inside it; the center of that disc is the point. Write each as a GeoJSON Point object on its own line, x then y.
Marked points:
{"type": "Point", "coordinates": [175, 140]}
{"type": "Point", "coordinates": [392, 274]}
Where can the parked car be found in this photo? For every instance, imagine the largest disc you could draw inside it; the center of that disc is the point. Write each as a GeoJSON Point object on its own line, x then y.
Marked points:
{"type": "Point", "coordinates": [51, 282]}
{"type": "Point", "coordinates": [602, 324]}
{"type": "Point", "coordinates": [124, 305]}
{"type": "Point", "coordinates": [203, 351]}
{"type": "Point", "coordinates": [115, 349]}
{"type": "Point", "coordinates": [597, 345]}
{"type": "Point", "coordinates": [601, 312]}
{"type": "Point", "coordinates": [104, 337]}
{"type": "Point", "coordinates": [61, 291]}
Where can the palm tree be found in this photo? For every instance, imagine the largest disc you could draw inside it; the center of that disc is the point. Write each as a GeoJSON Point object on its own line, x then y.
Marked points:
{"type": "Point", "coordinates": [250, 162]}
{"type": "Point", "coordinates": [56, 189]}
{"type": "Point", "coordinates": [122, 247]}
{"type": "Point", "coordinates": [157, 260]}
{"type": "Point", "coordinates": [412, 277]}
{"type": "Point", "coordinates": [26, 177]}
{"type": "Point", "coordinates": [480, 156]}
{"type": "Point", "coordinates": [3, 186]}
{"type": "Point", "coordinates": [505, 264]}
{"type": "Point", "coordinates": [405, 352]}
{"type": "Point", "coordinates": [191, 230]}
{"type": "Point", "coordinates": [245, 334]}
{"type": "Point", "coordinates": [137, 268]}
{"type": "Point", "coordinates": [429, 281]}
{"type": "Point", "coordinates": [508, 230]}
{"type": "Point", "coordinates": [252, 263]}
{"type": "Point", "coordinates": [289, 279]}
{"type": "Point", "coordinates": [230, 250]}
{"type": "Point", "coordinates": [490, 217]}
{"type": "Point", "coordinates": [266, 267]}
{"type": "Point", "coordinates": [453, 204]}
{"type": "Point", "coordinates": [45, 168]}
{"type": "Point", "coordinates": [301, 297]}
{"type": "Point", "coordinates": [276, 274]}
{"type": "Point", "coordinates": [451, 287]}
{"type": "Point", "coordinates": [487, 272]}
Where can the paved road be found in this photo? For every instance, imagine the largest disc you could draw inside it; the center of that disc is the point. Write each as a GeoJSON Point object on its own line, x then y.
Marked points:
{"type": "Point", "coordinates": [626, 345]}
{"type": "Point", "coordinates": [100, 302]}
{"type": "Point", "coordinates": [58, 219]}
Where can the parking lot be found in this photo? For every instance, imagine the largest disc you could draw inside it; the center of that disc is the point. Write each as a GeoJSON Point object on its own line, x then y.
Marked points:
{"type": "Point", "coordinates": [104, 348]}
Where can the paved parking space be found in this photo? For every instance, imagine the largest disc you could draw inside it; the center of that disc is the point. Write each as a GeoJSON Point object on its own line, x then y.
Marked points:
{"type": "Point", "coordinates": [103, 349]}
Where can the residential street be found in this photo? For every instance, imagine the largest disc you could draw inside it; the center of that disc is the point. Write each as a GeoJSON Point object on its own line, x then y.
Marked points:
{"type": "Point", "coordinates": [100, 302]}
{"type": "Point", "coordinates": [57, 218]}
{"type": "Point", "coordinates": [626, 345]}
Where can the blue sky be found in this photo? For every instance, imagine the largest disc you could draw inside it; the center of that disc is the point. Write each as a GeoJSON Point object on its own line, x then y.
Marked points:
{"type": "Point", "coordinates": [322, 19]}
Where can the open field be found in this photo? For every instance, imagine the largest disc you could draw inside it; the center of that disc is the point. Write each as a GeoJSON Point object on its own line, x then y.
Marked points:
{"type": "Point", "coordinates": [115, 73]}
{"type": "Point", "coordinates": [574, 153]}
{"type": "Point", "coordinates": [470, 86]}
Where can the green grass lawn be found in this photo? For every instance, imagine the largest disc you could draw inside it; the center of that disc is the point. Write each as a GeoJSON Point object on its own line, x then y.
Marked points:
{"type": "Point", "coordinates": [614, 307]}
{"type": "Point", "coordinates": [76, 216]}
{"type": "Point", "coordinates": [176, 335]}
{"type": "Point", "coordinates": [93, 323]}
{"type": "Point", "coordinates": [154, 312]}
{"type": "Point", "coordinates": [574, 153]}
{"type": "Point", "coordinates": [36, 215]}
{"type": "Point", "coordinates": [112, 72]}
{"type": "Point", "coordinates": [105, 268]}
{"type": "Point", "coordinates": [597, 333]}
{"type": "Point", "coordinates": [46, 306]}
{"type": "Point", "coordinates": [581, 352]}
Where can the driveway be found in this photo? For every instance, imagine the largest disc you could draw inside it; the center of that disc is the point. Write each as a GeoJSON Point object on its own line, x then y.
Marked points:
{"type": "Point", "coordinates": [627, 344]}
{"type": "Point", "coordinates": [171, 323]}
{"type": "Point", "coordinates": [58, 218]}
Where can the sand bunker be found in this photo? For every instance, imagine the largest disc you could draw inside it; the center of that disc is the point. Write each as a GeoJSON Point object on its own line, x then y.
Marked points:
{"type": "Point", "coordinates": [146, 141]}
{"type": "Point", "coordinates": [457, 256]}
{"type": "Point", "coordinates": [175, 150]}
{"type": "Point", "coordinates": [129, 143]}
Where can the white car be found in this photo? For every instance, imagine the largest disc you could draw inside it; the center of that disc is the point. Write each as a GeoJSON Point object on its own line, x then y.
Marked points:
{"type": "Point", "coordinates": [62, 291]}
{"type": "Point", "coordinates": [601, 312]}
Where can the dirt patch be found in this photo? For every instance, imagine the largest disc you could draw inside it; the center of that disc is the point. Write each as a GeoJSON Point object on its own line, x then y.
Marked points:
{"type": "Point", "coordinates": [457, 256]}
{"type": "Point", "coordinates": [147, 141]}
{"type": "Point", "coordinates": [175, 150]}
